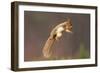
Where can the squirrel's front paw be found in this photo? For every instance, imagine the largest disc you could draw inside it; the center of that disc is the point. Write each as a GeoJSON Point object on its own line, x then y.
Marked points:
{"type": "Point", "coordinates": [58, 35]}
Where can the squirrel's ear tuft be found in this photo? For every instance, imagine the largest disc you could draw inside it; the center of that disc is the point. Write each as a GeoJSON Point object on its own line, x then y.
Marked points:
{"type": "Point", "coordinates": [69, 20]}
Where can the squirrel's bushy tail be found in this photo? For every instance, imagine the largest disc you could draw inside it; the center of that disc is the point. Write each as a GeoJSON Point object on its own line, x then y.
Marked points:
{"type": "Point", "coordinates": [47, 49]}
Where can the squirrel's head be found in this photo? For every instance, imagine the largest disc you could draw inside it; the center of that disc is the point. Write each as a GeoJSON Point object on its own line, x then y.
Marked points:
{"type": "Point", "coordinates": [68, 26]}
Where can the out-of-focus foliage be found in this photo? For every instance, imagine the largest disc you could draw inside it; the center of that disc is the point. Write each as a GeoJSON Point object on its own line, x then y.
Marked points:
{"type": "Point", "coordinates": [83, 52]}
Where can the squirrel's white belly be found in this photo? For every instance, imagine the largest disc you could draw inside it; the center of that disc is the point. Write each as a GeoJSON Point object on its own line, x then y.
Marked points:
{"type": "Point", "coordinates": [59, 31]}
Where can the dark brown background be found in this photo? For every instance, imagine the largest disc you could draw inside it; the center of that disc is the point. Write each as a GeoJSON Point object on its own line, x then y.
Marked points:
{"type": "Point", "coordinates": [38, 26]}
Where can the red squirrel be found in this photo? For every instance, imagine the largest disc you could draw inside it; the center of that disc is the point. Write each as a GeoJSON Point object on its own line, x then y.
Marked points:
{"type": "Point", "coordinates": [55, 34]}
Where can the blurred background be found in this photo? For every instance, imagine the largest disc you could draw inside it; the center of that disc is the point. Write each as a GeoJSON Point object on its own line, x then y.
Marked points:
{"type": "Point", "coordinates": [38, 26]}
